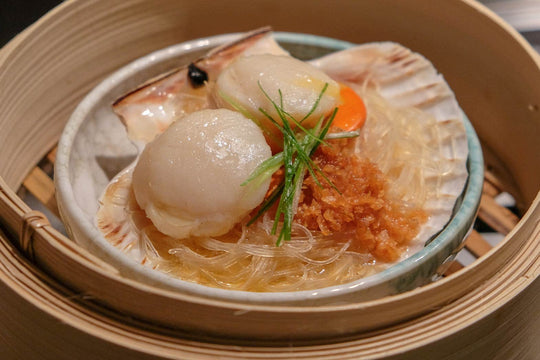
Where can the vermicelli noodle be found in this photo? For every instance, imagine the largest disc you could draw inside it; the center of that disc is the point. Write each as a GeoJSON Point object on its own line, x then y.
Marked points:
{"type": "Point", "coordinates": [247, 257]}
{"type": "Point", "coordinates": [402, 143]}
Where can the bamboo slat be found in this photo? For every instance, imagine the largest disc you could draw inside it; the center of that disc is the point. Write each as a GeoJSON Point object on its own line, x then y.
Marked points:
{"type": "Point", "coordinates": [496, 216]}
{"type": "Point", "coordinates": [39, 184]}
{"type": "Point", "coordinates": [477, 245]}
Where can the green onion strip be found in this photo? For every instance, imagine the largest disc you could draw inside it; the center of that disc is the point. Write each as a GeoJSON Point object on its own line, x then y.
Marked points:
{"type": "Point", "coordinates": [298, 147]}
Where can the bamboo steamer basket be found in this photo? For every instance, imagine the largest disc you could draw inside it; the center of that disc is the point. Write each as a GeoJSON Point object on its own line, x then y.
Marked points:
{"type": "Point", "coordinates": [59, 302]}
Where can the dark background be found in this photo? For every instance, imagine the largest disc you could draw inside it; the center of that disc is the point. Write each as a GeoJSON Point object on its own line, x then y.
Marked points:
{"type": "Point", "coordinates": [16, 15]}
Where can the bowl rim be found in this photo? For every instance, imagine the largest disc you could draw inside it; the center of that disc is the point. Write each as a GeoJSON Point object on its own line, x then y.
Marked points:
{"type": "Point", "coordinates": [461, 220]}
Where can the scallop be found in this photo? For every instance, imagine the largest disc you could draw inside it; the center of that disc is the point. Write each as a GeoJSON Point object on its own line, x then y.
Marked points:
{"type": "Point", "coordinates": [249, 81]}
{"type": "Point", "coordinates": [189, 179]}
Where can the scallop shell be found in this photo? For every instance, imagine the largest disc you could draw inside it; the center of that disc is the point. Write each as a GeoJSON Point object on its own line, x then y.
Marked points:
{"type": "Point", "coordinates": [408, 80]}
{"type": "Point", "coordinates": [403, 78]}
{"type": "Point", "coordinates": [170, 95]}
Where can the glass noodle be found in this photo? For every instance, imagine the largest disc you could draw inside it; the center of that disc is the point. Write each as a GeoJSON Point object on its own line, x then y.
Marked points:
{"type": "Point", "coordinates": [399, 141]}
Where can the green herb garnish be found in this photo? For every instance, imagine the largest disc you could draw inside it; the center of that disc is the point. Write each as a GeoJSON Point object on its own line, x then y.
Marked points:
{"type": "Point", "coordinates": [299, 144]}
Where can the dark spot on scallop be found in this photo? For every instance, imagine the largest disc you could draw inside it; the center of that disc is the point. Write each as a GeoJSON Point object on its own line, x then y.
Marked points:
{"type": "Point", "coordinates": [197, 77]}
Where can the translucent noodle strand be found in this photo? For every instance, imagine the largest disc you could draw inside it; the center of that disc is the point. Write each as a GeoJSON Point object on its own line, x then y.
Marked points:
{"type": "Point", "coordinates": [247, 258]}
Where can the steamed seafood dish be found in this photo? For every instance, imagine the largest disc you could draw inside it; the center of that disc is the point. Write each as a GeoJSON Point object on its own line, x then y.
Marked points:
{"type": "Point", "coordinates": [261, 172]}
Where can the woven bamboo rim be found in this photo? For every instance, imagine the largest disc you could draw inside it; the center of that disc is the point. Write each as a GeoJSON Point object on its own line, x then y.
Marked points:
{"type": "Point", "coordinates": [47, 281]}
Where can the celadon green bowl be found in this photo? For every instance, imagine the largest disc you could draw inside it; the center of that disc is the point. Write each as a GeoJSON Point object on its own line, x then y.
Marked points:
{"type": "Point", "coordinates": [94, 147]}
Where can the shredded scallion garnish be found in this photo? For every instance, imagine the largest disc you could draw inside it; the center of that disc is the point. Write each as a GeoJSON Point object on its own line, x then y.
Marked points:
{"type": "Point", "coordinates": [299, 144]}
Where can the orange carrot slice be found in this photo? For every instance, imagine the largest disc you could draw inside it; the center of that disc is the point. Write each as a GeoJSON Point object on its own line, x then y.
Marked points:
{"type": "Point", "coordinates": [351, 114]}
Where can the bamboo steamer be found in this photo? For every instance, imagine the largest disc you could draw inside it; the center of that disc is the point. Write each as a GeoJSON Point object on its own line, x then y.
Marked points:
{"type": "Point", "coordinates": [59, 302]}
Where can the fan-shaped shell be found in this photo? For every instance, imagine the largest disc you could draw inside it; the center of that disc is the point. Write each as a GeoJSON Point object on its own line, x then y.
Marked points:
{"type": "Point", "coordinates": [408, 80]}
{"type": "Point", "coordinates": [148, 110]}
{"type": "Point", "coordinates": [404, 79]}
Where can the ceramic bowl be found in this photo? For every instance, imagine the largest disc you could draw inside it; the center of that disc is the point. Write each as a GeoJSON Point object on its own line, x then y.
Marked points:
{"type": "Point", "coordinates": [94, 147]}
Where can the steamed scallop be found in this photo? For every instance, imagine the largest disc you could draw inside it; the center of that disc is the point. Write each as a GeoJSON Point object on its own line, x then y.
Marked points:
{"type": "Point", "coordinates": [189, 179]}
{"type": "Point", "coordinates": [249, 81]}
{"type": "Point", "coordinates": [185, 194]}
